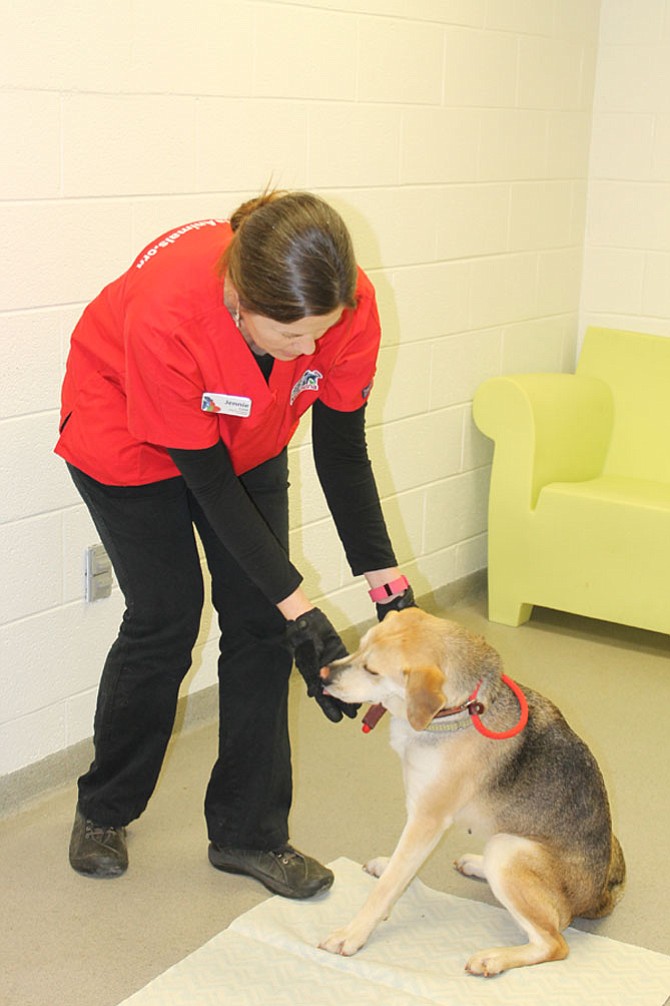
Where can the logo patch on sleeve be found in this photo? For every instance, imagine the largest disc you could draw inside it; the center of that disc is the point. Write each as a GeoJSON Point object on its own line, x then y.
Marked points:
{"type": "Point", "coordinates": [308, 382]}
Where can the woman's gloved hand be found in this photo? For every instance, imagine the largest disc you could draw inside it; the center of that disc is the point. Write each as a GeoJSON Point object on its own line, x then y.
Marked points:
{"type": "Point", "coordinates": [315, 643]}
{"type": "Point", "coordinates": [404, 600]}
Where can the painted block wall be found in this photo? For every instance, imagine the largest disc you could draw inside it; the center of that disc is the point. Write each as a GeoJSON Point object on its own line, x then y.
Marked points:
{"type": "Point", "coordinates": [453, 135]}
{"type": "Point", "coordinates": [627, 247]}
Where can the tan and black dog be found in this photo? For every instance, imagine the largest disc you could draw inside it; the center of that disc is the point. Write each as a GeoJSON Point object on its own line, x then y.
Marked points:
{"type": "Point", "coordinates": [479, 750]}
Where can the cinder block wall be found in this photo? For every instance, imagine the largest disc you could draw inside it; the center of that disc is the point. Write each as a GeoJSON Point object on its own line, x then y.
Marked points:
{"type": "Point", "coordinates": [627, 248]}
{"type": "Point", "coordinates": [453, 135]}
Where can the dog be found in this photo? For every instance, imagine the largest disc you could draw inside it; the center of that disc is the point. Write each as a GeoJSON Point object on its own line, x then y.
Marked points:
{"type": "Point", "coordinates": [478, 749]}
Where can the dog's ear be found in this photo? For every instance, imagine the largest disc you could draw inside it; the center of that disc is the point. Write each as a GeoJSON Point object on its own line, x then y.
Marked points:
{"type": "Point", "coordinates": [424, 695]}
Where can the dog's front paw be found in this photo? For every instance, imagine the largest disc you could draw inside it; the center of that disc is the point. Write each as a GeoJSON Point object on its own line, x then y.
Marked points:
{"type": "Point", "coordinates": [375, 867]}
{"type": "Point", "coordinates": [487, 963]}
{"type": "Point", "coordinates": [343, 942]}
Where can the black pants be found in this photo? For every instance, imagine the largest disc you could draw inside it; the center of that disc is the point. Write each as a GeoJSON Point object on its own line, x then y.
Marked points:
{"type": "Point", "coordinates": [148, 534]}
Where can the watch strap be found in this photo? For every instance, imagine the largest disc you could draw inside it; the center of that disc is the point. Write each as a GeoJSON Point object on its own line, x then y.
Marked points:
{"type": "Point", "coordinates": [387, 590]}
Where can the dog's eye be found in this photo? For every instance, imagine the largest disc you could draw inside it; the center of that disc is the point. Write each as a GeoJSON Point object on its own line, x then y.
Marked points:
{"type": "Point", "coordinates": [370, 671]}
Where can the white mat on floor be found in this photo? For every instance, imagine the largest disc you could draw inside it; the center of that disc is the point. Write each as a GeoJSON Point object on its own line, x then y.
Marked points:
{"type": "Point", "coordinates": [270, 955]}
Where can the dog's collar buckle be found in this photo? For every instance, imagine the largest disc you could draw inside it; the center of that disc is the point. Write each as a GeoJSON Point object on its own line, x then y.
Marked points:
{"type": "Point", "coordinates": [472, 706]}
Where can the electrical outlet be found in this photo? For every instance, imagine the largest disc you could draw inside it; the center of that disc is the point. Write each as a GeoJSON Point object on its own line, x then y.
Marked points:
{"type": "Point", "coordinates": [97, 574]}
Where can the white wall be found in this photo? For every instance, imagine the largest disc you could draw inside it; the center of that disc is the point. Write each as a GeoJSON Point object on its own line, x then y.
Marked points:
{"type": "Point", "coordinates": [452, 134]}
{"type": "Point", "coordinates": [627, 256]}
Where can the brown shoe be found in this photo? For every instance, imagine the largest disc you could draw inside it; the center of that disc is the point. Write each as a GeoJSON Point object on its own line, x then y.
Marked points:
{"type": "Point", "coordinates": [97, 850]}
{"type": "Point", "coordinates": [283, 871]}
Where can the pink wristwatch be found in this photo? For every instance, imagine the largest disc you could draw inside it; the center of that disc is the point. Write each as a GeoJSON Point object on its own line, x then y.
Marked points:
{"type": "Point", "coordinates": [389, 589]}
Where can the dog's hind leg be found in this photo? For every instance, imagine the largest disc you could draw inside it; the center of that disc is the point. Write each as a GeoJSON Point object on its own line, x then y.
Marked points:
{"type": "Point", "coordinates": [471, 865]}
{"type": "Point", "coordinates": [375, 867]}
{"type": "Point", "coordinates": [614, 886]}
{"type": "Point", "coordinates": [522, 875]}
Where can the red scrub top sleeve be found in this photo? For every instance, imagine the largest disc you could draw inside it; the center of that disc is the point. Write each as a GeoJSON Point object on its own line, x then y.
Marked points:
{"type": "Point", "coordinates": [350, 380]}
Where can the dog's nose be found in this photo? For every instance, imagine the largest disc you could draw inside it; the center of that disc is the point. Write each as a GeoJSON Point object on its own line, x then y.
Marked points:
{"type": "Point", "coordinates": [324, 673]}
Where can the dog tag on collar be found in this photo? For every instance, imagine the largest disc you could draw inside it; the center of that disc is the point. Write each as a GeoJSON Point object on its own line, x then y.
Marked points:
{"type": "Point", "coordinates": [226, 405]}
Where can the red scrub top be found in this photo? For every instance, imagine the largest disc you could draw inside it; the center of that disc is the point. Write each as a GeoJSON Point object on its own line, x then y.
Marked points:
{"type": "Point", "coordinates": [156, 361]}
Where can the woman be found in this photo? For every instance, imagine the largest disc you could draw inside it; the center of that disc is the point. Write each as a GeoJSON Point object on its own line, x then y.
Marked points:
{"type": "Point", "coordinates": [185, 381]}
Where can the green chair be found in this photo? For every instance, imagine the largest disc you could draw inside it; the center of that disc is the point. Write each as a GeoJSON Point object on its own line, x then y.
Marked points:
{"type": "Point", "coordinates": [579, 506]}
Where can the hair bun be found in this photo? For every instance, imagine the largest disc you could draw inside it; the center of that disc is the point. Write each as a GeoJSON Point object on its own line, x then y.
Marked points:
{"type": "Point", "coordinates": [244, 211]}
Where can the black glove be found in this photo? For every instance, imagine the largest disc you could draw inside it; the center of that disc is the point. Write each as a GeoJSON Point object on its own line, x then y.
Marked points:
{"type": "Point", "coordinates": [404, 600]}
{"type": "Point", "coordinates": [315, 643]}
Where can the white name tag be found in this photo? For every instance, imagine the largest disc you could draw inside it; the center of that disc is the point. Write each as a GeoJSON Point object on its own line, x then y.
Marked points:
{"type": "Point", "coordinates": [227, 405]}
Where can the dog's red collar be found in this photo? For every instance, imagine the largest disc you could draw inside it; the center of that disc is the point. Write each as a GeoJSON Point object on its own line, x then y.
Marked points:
{"type": "Point", "coordinates": [473, 706]}
{"type": "Point", "coordinates": [523, 713]}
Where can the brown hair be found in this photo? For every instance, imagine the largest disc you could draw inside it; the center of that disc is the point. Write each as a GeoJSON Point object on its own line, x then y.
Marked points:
{"type": "Point", "coordinates": [291, 257]}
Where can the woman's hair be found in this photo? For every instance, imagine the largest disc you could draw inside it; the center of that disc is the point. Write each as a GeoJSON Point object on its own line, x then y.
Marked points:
{"type": "Point", "coordinates": [291, 257]}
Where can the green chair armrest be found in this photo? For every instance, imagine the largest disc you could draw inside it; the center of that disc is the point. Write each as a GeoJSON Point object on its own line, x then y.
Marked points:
{"type": "Point", "coordinates": [546, 428]}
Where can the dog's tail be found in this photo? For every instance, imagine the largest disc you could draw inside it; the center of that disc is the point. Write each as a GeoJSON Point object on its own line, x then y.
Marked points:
{"type": "Point", "coordinates": [614, 884]}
